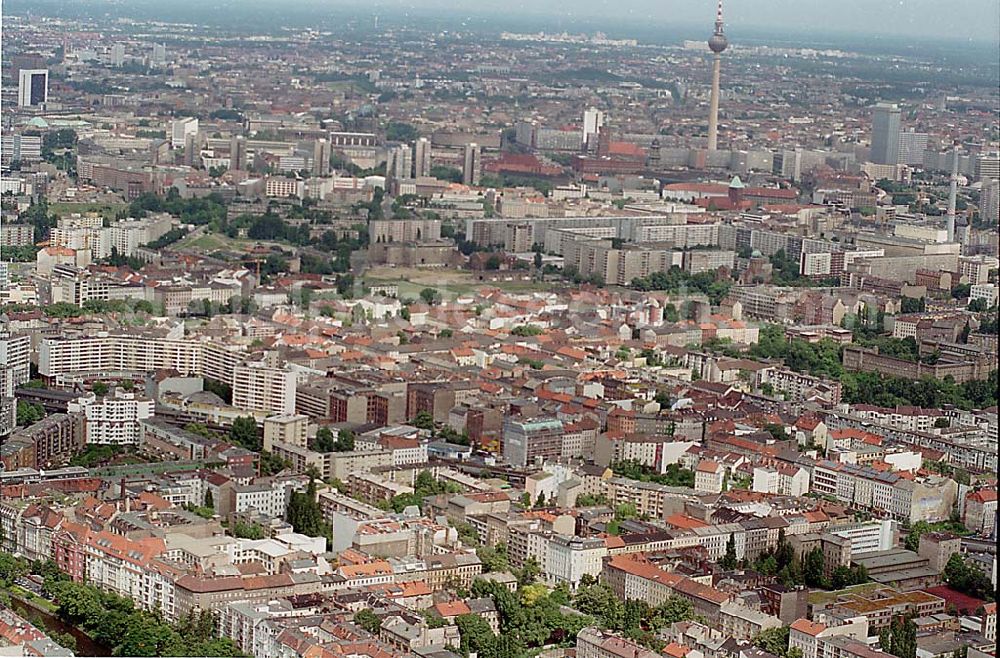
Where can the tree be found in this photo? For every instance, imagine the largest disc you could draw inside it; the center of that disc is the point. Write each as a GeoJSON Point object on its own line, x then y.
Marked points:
{"type": "Point", "coordinates": [29, 413]}
{"type": "Point", "coordinates": [675, 609]}
{"type": "Point", "coordinates": [367, 620]}
{"type": "Point", "coordinates": [494, 558]}
{"type": "Point", "coordinates": [243, 432]}
{"type": "Point", "coordinates": [773, 640]}
{"type": "Point", "coordinates": [245, 530]}
{"type": "Point", "coordinates": [912, 305]}
{"type": "Point", "coordinates": [963, 577]}
{"type": "Point", "coordinates": [304, 513]}
{"type": "Point", "coordinates": [344, 442]}
{"type": "Point", "coordinates": [625, 511]}
{"type": "Point", "coordinates": [430, 296]}
{"type": "Point", "coordinates": [729, 560]}
{"type": "Point", "coordinates": [540, 501]}
{"type": "Point", "coordinates": [324, 441]}
{"type": "Point", "coordinates": [812, 568]}
{"type": "Point", "coordinates": [209, 499]}
{"type": "Point", "coordinates": [529, 572]}
{"type": "Point", "coordinates": [423, 420]}
{"type": "Point", "coordinates": [100, 389]}
{"type": "Point", "coordinates": [476, 634]}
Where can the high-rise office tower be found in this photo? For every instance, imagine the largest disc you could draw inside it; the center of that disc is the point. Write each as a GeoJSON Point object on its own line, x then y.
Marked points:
{"type": "Point", "coordinates": [32, 87]}
{"type": "Point", "coordinates": [237, 153]}
{"type": "Point", "coordinates": [988, 166]}
{"type": "Point", "coordinates": [989, 202]}
{"type": "Point", "coordinates": [159, 55]}
{"type": "Point", "coordinates": [321, 157]}
{"type": "Point", "coordinates": [472, 168]}
{"type": "Point", "coordinates": [117, 58]}
{"type": "Point", "coordinates": [593, 120]}
{"type": "Point", "coordinates": [399, 162]}
{"type": "Point", "coordinates": [180, 129]}
{"type": "Point", "coordinates": [912, 146]}
{"type": "Point", "coordinates": [716, 43]}
{"type": "Point", "coordinates": [422, 159]}
{"type": "Point", "coordinates": [885, 134]}
{"type": "Point", "coordinates": [191, 149]}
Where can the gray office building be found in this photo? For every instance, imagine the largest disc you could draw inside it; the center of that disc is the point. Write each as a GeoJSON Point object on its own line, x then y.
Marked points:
{"type": "Point", "coordinates": [885, 134]}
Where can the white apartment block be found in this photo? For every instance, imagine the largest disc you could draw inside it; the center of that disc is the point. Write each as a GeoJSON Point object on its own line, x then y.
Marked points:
{"type": "Point", "coordinates": [136, 352]}
{"type": "Point", "coordinates": [923, 499]}
{"type": "Point", "coordinates": [569, 558]}
{"type": "Point", "coordinates": [130, 234]}
{"type": "Point", "coordinates": [267, 498]}
{"type": "Point", "coordinates": [709, 476]}
{"type": "Point", "coordinates": [868, 537]}
{"type": "Point", "coordinates": [257, 387]}
{"type": "Point", "coordinates": [113, 420]}
{"type": "Point", "coordinates": [15, 354]}
{"type": "Point", "coordinates": [282, 187]}
{"type": "Point", "coordinates": [180, 129]}
{"type": "Point", "coordinates": [988, 292]}
{"type": "Point", "coordinates": [289, 429]}
{"type": "Point", "coordinates": [95, 240]}
{"type": "Point", "coordinates": [911, 419]}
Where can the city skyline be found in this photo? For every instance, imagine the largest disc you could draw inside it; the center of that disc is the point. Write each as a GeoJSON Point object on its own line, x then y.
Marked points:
{"type": "Point", "coordinates": [968, 21]}
{"type": "Point", "coordinates": [437, 329]}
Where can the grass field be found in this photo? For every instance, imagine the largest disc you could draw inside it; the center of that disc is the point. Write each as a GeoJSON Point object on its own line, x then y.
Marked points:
{"type": "Point", "coordinates": [33, 599]}
{"type": "Point", "coordinates": [212, 242]}
{"type": "Point", "coordinates": [449, 283]}
{"type": "Point", "coordinates": [817, 597]}
{"type": "Point", "coordinates": [107, 210]}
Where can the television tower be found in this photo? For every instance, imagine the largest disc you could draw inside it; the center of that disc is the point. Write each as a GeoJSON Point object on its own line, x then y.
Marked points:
{"type": "Point", "coordinates": [716, 43]}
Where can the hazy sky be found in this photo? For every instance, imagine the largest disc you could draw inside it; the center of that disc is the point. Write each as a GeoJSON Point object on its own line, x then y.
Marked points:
{"type": "Point", "coordinates": [949, 20]}
{"type": "Point", "coordinates": [955, 19]}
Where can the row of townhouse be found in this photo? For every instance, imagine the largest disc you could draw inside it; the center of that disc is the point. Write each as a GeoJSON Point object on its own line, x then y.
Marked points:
{"type": "Point", "coordinates": [899, 496]}
{"type": "Point", "coordinates": [971, 446]}
{"type": "Point", "coordinates": [634, 577]}
{"type": "Point", "coordinates": [170, 575]}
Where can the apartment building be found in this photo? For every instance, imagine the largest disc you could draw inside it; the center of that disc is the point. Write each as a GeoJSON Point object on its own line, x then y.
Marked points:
{"type": "Point", "coordinates": [655, 500]}
{"type": "Point", "coordinates": [738, 621]}
{"type": "Point", "coordinates": [257, 387]}
{"type": "Point", "coordinates": [569, 558]}
{"type": "Point", "coordinates": [290, 429]}
{"type": "Point", "coordinates": [808, 636]}
{"type": "Point", "coordinates": [709, 476]}
{"type": "Point", "coordinates": [115, 419]}
{"type": "Point", "coordinates": [592, 642]}
{"type": "Point", "coordinates": [52, 440]}
{"type": "Point", "coordinates": [980, 512]}
{"type": "Point", "coordinates": [135, 352]}
{"type": "Point", "coordinates": [526, 440]}
{"type": "Point", "coordinates": [17, 235]}
{"type": "Point", "coordinates": [404, 230]}
{"type": "Point", "coordinates": [907, 498]}
{"type": "Point", "coordinates": [15, 354]}
{"type": "Point", "coordinates": [798, 386]}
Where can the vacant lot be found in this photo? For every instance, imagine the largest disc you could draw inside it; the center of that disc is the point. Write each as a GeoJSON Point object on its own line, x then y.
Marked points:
{"type": "Point", "coordinates": [107, 210]}
{"type": "Point", "coordinates": [449, 283]}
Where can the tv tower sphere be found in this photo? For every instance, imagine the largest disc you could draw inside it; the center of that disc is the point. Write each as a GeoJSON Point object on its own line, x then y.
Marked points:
{"type": "Point", "coordinates": [718, 41]}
